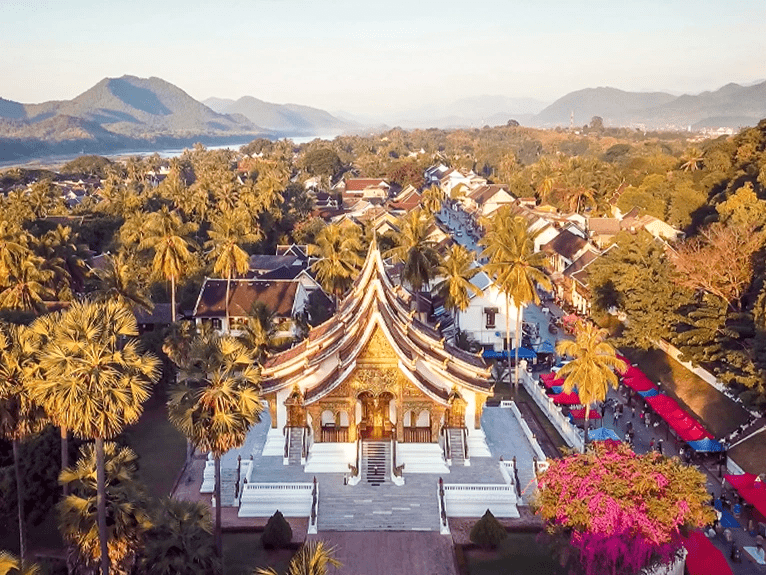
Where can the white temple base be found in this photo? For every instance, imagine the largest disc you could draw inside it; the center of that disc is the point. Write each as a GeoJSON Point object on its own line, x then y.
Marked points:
{"type": "Point", "coordinates": [330, 458]}
{"type": "Point", "coordinates": [421, 458]}
{"type": "Point", "coordinates": [477, 444]}
{"type": "Point", "coordinates": [275, 444]}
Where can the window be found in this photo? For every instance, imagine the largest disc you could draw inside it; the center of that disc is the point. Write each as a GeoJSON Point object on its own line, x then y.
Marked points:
{"type": "Point", "coordinates": [490, 313]}
{"type": "Point", "coordinates": [216, 323]}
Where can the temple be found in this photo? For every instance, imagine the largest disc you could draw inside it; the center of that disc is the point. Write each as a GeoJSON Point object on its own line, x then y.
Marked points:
{"type": "Point", "coordinates": [374, 371]}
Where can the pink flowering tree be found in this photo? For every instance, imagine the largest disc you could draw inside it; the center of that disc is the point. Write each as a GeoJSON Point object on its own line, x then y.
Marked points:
{"type": "Point", "coordinates": [621, 511]}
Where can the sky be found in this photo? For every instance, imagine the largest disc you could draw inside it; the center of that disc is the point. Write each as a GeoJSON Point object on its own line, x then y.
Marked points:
{"type": "Point", "coordinates": [371, 57]}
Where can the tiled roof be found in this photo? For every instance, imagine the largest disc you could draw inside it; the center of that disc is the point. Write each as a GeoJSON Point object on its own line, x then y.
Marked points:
{"type": "Point", "coordinates": [359, 184]}
{"type": "Point", "coordinates": [483, 193]}
{"type": "Point", "coordinates": [604, 226]}
{"type": "Point", "coordinates": [161, 314]}
{"type": "Point", "coordinates": [265, 262]}
{"type": "Point", "coordinates": [277, 295]}
{"type": "Point", "coordinates": [573, 270]}
{"type": "Point", "coordinates": [565, 244]}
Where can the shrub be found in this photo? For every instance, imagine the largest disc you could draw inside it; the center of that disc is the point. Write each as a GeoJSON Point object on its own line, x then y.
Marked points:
{"type": "Point", "coordinates": [277, 532]}
{"type": "Point", "coordinates": [488, 532]}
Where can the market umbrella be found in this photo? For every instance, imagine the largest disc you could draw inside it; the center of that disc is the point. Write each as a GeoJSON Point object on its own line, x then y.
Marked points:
{"type": "Point", "coordinates": [524, 353]}
{"type": "Point", "coordinates": [545, 347]}
{"type": "Point", "coordinates": [580, 414]}
{"type": "Point", "coordinates": [704, 558]}
{"type": "Point", "coordinates": [706, 445]}
{"type": "Point", "coordinates": [603, 434]}
{"type": "Point", "coordinates": [567, 398]}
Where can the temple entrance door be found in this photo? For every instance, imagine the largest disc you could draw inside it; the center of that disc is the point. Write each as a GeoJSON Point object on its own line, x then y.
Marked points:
{"type": "Point", "coordinates": [376, 416]}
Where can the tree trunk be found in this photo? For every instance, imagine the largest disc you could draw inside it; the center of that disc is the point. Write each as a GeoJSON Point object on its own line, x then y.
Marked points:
{"type": "Point", "coordinates": [218, 540]}
{"type": "Point", "coordinates": [20, 505]}
{"type": "Point", "coordinates": [508, 338]}
{"type": "Point", "coordinates": [173, 298]}
{"type": "Point", "coordinates": [228, 288]}
{"type": "Point", "coordinates": [64, 454]}
{"type": "Point", "coordinates": [519, 316]}
{"type": "Point", "coordinates": [101, 505]}
{"type": "Point", "coordinates": [587, 425]}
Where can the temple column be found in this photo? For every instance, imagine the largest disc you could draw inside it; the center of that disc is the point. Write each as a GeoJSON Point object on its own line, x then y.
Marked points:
{"type": "Point", "coordinates": [352, 420]}
{"type": "Point", "coordinates": [272, 399]}
{"type": "Point", "coordinates": [479, 409]}
{"type": "Point", "coordinates": [399, 417]}
{"type": "Point", "coordinates": [316, 421]}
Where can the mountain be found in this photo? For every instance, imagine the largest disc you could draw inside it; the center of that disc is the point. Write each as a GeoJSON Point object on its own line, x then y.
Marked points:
{"type": "Point", "coordinates": [613, 105]}
{"type": "Point", "coordinates": [730, 106]}
{"type": "Point", "coordinates": [117, 113]}
{"type": "Point", "coordinates": [286, 118]}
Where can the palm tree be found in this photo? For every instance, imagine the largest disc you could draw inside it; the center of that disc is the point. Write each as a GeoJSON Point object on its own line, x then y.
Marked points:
{"type": "Point", "coordinates": [26, 285]}
{"type": "Point", "coordinates": [229, 230]}
{"type": "Point", "coordinates": [66, 258]}
{"type": "Point", "coordinates": [416, 251]}
{"type": "Point", "coordinates": [165, 233]}
{"type": "Point", "coordinates": [457, 271]}
{"type": "Point", "coordinates": [259, 334]}
{"type": "Point", "coordinates": [339, 260]}
{"type": "Point", "coordinates": [515, 267]}
{"type": "Point", "coordinates": [692, 160]}
{"type": "Point", "coordinates": [10, 565]}
{"type": "Point", "coordinates": [593, 366]}
{"type": "Point", "coordinates": [180, 541]}
{"type": "Point", "coordinates": [13, 246]}
{"type": "Point", "coordinates": [20, 417]}
{"type": "Point", "coordinates": [576, 197]}
{"type": "Point", "coordinates": [118, 282]}
{"type": "Point", "coordinates": [96, 379]}
{"type": "Point", "coordinates": [217, 403]}
{"type": "Point", "coordinates": [128, 519]}
{"type": "Point", "coordinates": [432, 199]}
{"type": "Point", "coordinates": [313, 558]}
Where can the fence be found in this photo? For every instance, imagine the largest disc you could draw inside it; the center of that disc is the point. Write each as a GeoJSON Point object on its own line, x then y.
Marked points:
{"type": "Point", "coordinates": [264, 499]}
{"type": "Point", "coordinates": [571, 433]}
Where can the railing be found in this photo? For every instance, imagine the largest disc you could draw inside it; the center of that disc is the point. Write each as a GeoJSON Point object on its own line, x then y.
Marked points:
{"type": "Point", "coordinates": [417, 435]}
{"type": "Point", "coordinates": [443, 524]}
{"type": "Point", "coordinates": [305, 444]}
{"type": "Point", "coordinates": [571, 434]}
{"type": "Point", "coordinates": [396, 470]}
{"type": "Point", "coordinates": [465, 443]}
{"type": "Point", "coordinates": [335, 434]}
{"type": "Point", "coordinates": [447, 450]}
{"type": "Point", "coordinates": [287, 431]}
{"type": "Point", "coordinates": [355, 468]}
{"type": "Point", "coordinates": [314, 507]}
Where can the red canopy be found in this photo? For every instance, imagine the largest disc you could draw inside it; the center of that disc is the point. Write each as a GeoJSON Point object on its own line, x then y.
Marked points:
{"type": "Point", "coordinates": [632, 371]}
{"type": "Point", "coordinates": [623, 358]}
{"type": "Point", "coordinates": [566, 398]}
{"type": "Point", "coordinates": [547, 376]}
{"type": "Point", "coordinates": [685, 426]}
{"type": "Point", "coordinates": [639, 383]}
{"type": "Point", "coordinates": [580, 413]}
{"type": "Point", "coordinates": [571, 318]}
{"type": "Point", "coordinates": [704, 558]}
{"type": "Point", "coordinates": [553, 383]}
{"type": "Point", "coordinates": [751, 489]}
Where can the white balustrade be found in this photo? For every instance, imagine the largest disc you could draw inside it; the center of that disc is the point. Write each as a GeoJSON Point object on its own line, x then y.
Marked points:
{"type": "Point", "coordinates": [265, 499]}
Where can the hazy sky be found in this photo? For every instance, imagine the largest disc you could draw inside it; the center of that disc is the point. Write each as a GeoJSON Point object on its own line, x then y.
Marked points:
{"type": "Point", "coordinates": [388, 55]}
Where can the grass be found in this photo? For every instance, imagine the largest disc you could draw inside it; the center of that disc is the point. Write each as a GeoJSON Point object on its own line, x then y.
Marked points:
{"type": "Point", "coordinates": [243, 553]}
{"type": "Point", "coordinates": [519, 554]}
{"type": "Point", "coordinates": [160, 447]}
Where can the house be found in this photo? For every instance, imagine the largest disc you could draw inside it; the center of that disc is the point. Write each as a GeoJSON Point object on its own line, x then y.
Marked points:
{"type": "Point", "coordinates": [569, 244]}
{"type": "Point", "coordinates": [434, 174]}
{"type": "Point", "coordinates": [602, 230]}
{"type": "Point", "coordinates": [484, 321]}
{"type": "Point", "coordinates": [453, 178]}
{"type": "Point", "coordinates": [576, 280]}
{"type": "Point", "coordinates": [405, 202]}
{"type": "Point", "coordinates": [484, 200]}
{"type": "Point", "coordinates": [370, 189]}
{"type": "Point", "coordinates": [160, 316]}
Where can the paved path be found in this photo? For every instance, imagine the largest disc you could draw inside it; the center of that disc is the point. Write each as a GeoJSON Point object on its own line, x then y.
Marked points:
{"type": "Point", "coordinates": [391, 552]}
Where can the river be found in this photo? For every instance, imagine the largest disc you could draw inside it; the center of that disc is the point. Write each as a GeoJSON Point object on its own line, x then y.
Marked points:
{"type": "Point", "coordinates": [53, 162]}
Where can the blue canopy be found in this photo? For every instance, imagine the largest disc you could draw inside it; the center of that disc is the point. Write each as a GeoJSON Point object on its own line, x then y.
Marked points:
{"type": "Point", "coordinates": [545, 347]}
{"type": "Point", "coordinates": [706, 445]}
{"type": "Point", "coordinates": [524, 353]}
{"type": "Point", "coordinates": [602, 434]}
{"type": "Point", "coordinates": [649, 392]}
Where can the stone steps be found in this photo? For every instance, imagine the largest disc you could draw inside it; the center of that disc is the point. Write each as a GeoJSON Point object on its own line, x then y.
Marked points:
{"type": "Point", "coordinates": [295, 447]}
{"type": "Point", "coordinates": [456, 446]}
{"type": "Point", "coordinates": [375, 461]}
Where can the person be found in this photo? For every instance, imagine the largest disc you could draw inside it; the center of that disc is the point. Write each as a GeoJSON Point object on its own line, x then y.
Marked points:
{"type": "Point", "coordinates": [682, 456]}
{"type": "Point", "coordinates": [615, 417]}
{"type": "Point", "coordinates": [629, 427]}
{"type": "Point", "coordinates": [659, 445]}
{"type": "Point", "coordinates": [651, 444]}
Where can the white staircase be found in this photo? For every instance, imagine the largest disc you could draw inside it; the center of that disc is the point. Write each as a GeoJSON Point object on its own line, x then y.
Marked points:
{"type": "Point", "coordinates": [421, 458]}
{"type": "Point", "coordinates": [457, 449]}
{"type": "Point", "coordinates": [376, 458]}
{"type": "Point", "coordinates": [295, 447]}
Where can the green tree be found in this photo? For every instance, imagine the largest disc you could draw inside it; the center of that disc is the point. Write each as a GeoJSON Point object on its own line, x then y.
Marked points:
{"type": "Point", "coordinates": [180, 541]}
{"type": "Point", "coordinates": [416, 252]}
{"type": "Point", "coordinates": [166, 235]}
{"type": "Point", "coordinates": [120, 281]}
{"type": "Point", "coordinates": [78, 518]}
{"type": "Point", "coordinates": [313, 558]}
{"type": "Point", "coordinates": [260, 333]}
{"type": "Point", "coordinates": [514, 266]}
{"type": "Point", "coordinates": [95, 381]}
{"type": "Point", "coordinates": [226, 233]}
{"type": "Point", "coordinates": [339, 260]}
{"type": "Point", "coordinates": [10, 565]}
{"type": "Point", "coordinates": [217, 402]}
{"type": "Point", "coordinates": [25, 287]}
{"type": "Point", "coordinates": [743, 208]}
{"type": "Point", "coordinates": [592, 369]}
{"type": "Point", "coordinates": [455, 287]}
{"type": "Point", "coordinates": [487, 531]}
{"type": "Point", "coordinates": [20, 416]}
{"type": "Point", "coordinates": [431, 200]}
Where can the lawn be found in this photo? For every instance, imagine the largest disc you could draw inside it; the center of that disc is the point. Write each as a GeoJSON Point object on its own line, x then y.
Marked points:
{"type": "Point", "coordinates": [519, 554]}
{"type": "Point", "coordinates": [243, 553]}
{"type": "Point", "coordinates": [719, 414]}
{"type": "Point", "coordinates": [160, 446]}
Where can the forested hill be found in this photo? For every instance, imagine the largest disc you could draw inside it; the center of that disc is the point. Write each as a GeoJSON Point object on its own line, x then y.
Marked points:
{"type": "Point", "coordinates": [730, 106]}
{"type": "Point", "coordinates": [116, 113]}
{"type": "Point", "coordinates": [292, 118]}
